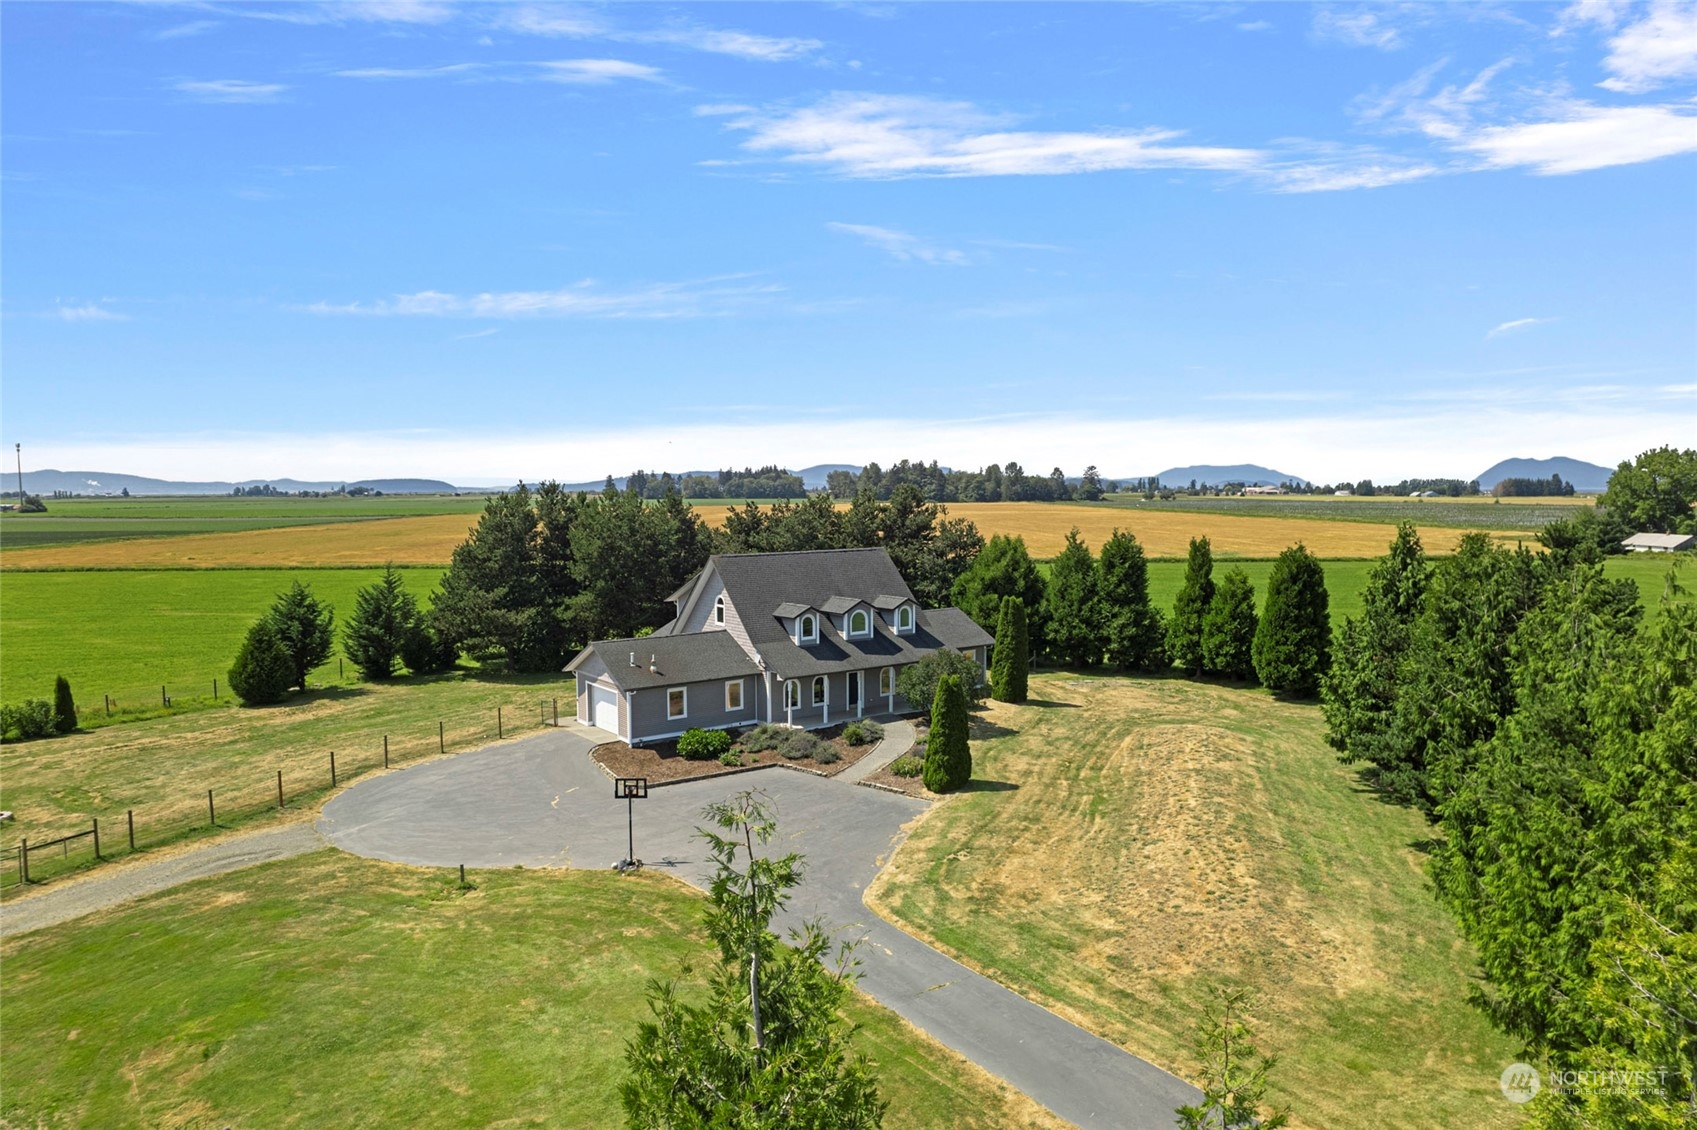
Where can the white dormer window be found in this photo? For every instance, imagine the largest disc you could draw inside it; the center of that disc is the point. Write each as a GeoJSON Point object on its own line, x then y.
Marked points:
{"type": "Point", "coordinates": [719, 611]}
{"type": "Point", "coordinates": [807, 629]}
{"type": "Point", "coordinates": [904, 619]}
{"type": "Point", "coordinates": [859, 624]}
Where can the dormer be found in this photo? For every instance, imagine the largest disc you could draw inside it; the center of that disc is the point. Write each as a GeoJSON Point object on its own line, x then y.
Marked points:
{"type": "Point", "coordinates": [801, 621]}
{"type": "Point", "coordinates": [851, 615]}
{"type": "Point", "coordinates": [900, 613]}
{"type": "Point", "coordinates": [717, 619]}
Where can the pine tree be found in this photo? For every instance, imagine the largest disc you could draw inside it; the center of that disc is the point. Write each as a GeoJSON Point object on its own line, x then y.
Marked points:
{"type": "Point", "coordinates": [64, 706]}
{"type": "Point", "coordinates": [262, 671]}
{"type": "Point", "coordinates": [1010, 666]}
{"type": "Point", "coordinates": [1003, 568]}
{"type": "Point", "coordinates": [1293, 642]}
{"type": "Point", "coordinates": [1228, 629]}
{"type": "Point", "coordinates": [1134, 631]}
{"type": "Point", "coordinates": [948, 754]}
{"type": "Point", "coordinates": [425, 651]}
{"type": "Point", "coordinates": [1074, 628]}
{"type": "Point", "coordinates": [385, 614]}
{"type": "Point", "coordinates": [305, 628]}
{"type": "Point", "coordinates": [1358, 693]}
{"type": "Point", "coordinates": [1184, 630]}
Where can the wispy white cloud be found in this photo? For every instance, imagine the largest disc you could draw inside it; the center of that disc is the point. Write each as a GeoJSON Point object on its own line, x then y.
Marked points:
{"type": "Point", "coordinates": [1658, 49]}
{"type": "Point", "coordinates": [183, 31]}
{"type": "Point", "coordinates": [1255, 25]}
{"type": "Point", "coordinates": [91, 312]}
{"type": "Point", "coordinates": [450, 70]}
{"type": "Point", "coordinates": [1518, 325]}
{"type": "Point", "coordinates": [1363, 27]}
{"type": "Point", "coordinates": [584, 72]}
{"type": "Point", "coordinates": [597, 71]}
{"type": "Point", "coordinates": [703, 298]}
{"type": "Point", "coordinates": [902, 245]}
{"type": "Point", "coordinates": [231, 90]}
{"type": "Point", "coordinates": [1584, 136]}
{"type": "Point", "coordinates": [578, 24]}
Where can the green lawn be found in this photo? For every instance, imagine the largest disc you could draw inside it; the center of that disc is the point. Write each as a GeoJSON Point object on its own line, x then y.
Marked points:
{"type": "Point", "coordinates": [1149, 838]}
{"type": "Point", "coordinates": [331, 991]}
{"type": "Point", "coordinates": [126, 633]}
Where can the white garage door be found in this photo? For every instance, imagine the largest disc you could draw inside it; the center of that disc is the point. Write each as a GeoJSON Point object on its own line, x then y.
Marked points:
{"type": "Point", "coordinates": [603, 708]}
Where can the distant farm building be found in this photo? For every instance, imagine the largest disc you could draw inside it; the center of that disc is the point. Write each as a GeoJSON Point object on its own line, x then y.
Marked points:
{"type": "Point", "coordinates": [1659, 543]}
{"type": "Point", "coordinates": [1263, 490]}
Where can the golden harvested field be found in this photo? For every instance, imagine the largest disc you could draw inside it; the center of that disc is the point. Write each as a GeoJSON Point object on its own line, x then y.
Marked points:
{"type": "Point", "coordinates": [430, 540]}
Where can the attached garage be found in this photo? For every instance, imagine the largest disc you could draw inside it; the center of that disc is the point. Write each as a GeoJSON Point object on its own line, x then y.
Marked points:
{"type": "Point", "coordinates": [604, 708]}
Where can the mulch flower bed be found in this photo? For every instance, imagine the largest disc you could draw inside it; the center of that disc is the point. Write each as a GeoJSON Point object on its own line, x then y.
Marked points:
{"type": "Point", "coordinates": [660, 761]}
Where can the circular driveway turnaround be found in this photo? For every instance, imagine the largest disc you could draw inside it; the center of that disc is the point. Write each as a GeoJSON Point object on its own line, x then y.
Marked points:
{"type": "Point", "coordinates": [542, 802]}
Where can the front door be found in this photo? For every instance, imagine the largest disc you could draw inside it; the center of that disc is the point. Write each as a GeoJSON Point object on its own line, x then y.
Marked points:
{"type": "Point", "coordinates": [854, 690]}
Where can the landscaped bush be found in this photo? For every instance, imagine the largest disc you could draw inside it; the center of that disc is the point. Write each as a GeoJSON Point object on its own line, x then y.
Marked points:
{"type": "Point", "coordinates": [907, 765]}
{"type": "Point", "coordinates": [30, 719]}
{"type": "Point", "coordinates": [863, 732]}
{"type": "Point", "coordinates": [731, 758]}
{"type": "Point", "coordinates": [764, 737]}
{"type": "Point", "coordinates": [793, 745]}
{"type": "Point", "coordinates": [826, 754]}
{"type": "Point", "coordinates": [703, 745]}
{"type": "Point", "coordinates": [262, 672]}
{"type": "Point", "coordinates": [64, 706]}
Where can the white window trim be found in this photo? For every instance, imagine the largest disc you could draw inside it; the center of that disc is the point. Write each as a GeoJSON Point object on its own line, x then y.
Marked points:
{"type": "Point", "coordinates": [742, 699]}
{"type": "Point", "coordinates": [905, 612]}
{"type": "Point", "coordinates": [821, 692]}
{"type": "Point", "coordinates": [792, 702]}
{"type": "Point", "coordinates": [801, 633]}
{"type": "Point", "coordinates": [719, 610]}
{"type": "Point", "coordinates": [848, 624]}
{"type": "Point", "coordinates": [684, 713]}
{"type": "Point", "coordinates": [886, 681]}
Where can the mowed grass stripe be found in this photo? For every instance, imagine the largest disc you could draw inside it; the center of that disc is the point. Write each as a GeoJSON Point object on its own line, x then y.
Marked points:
{"type": "Point", "coordinates": [335, 991]}
{"type": "Point", "coordinates": [431, 540]}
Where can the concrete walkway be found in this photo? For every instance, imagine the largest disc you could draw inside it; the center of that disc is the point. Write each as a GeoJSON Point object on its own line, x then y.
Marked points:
{"type": "Point", "coordinates": [106, 887]}
{"type": "Point", "coordinates": [543, 802]}
{"type": "Point", "coordinates": [898, 739]}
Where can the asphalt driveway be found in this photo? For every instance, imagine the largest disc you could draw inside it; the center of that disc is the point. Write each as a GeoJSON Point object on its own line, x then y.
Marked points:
{"type": "Point", "coordinates": [542, 802]}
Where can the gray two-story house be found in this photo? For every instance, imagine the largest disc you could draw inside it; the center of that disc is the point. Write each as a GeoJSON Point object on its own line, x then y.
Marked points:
{"type": "Point", "coordinates": [800, 639]}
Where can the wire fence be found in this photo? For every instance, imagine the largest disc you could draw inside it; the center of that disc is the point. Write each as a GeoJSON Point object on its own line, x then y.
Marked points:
{"type": "Point", "coordinates": [252, 797]}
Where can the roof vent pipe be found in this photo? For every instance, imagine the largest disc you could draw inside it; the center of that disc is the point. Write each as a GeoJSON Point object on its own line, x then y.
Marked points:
{"type": "Point", "coordinates": [653, 667]}
{"type": "Point", "coordinates": [633, 659]}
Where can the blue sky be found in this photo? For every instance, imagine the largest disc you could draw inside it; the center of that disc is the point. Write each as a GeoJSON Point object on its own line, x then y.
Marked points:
{"type": "Point", "coordinates": [483, 242]}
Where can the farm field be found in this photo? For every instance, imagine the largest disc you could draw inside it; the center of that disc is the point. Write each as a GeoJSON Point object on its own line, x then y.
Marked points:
{"type": "Point", "coordinates": [1481, 512]}
{"type": "Point", "coordinates": [127, 633]}
{"type": "Point", "coordinates": [1149, 838]}
{"type": "Point", "coordinates": [163, 767]}
{"type": "Point", "coordinates": [430, 540]}
{"type": "Point", "coordinates": [334, 991]}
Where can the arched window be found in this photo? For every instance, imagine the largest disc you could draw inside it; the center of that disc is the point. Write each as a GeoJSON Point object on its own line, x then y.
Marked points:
{"type": "Point", "coordinates": [887, 681]}
{"type": "Point", "coordinates": [809, 628]}
{"type": "Point", "coordinates": [792, 694]}
{"type": "Point", "coordinates": [819, 690]}
{"type": "Point", "coordinates": [719, 611]}
{"type": "Point", "coordinates": [858, 623]}
{"type": "Point", "coordinates": [904, 618]}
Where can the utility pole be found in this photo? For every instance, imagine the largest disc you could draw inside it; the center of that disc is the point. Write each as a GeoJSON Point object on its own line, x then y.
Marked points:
{"type": "Point", "coordinates": [20, 474]}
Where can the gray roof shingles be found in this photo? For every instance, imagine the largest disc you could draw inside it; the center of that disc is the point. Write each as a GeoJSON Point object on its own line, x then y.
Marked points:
{"type": "Point", "coordinates": [691, 658]}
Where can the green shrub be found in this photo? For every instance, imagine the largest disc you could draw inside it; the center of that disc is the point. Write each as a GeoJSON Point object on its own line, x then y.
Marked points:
{"type": "Point", "coordinates": [425, 652]}
{"type": "Point", "coordinates": [948, 755]}
{"type": "Point", "coordinates": [30, 719]}
{"type": "Point", "coordinates": [917, 682]}
{"type": "Point", "coordinates": [793, 745]}
{"type": "Point", "coordinates": [730, 758]}
{"type": "Point", "coordinates": [64, 706]}
{"type": "Point", "coordinates": [703, 745]}
{"type": "Point", "coordinates": [862, 732]}
{"type": "Point", "coordinates": [826, 754]}
{"type": "Point", "coordinates": [907, 765]}
{"type": "Point", "coordinates": [263, 671]}
{"type": "Point", "coordinates": [764, 737]}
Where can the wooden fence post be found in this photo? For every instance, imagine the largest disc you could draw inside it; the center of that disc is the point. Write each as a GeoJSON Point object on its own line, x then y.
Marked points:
{"type": "Point", "coordinates": [211, 812]}
{"type": "Point", "coordinates": [214, 690]}
{"type": "Point", "coordinates": [385, 751]}
{"type": "Point", "coordinates": [279, 790]}
{"type": "Point", "coordinates": [97, 838]}
{"type": "Point", "coordinates": [23, 859]}
{"type": "Point", "coordinates": [131, 814]}
{"type": "Point", "coordinates": [441, 741]}
{"type": "Point", "coordinates": [556, 712]}
{"type": "Point", "coordinates": [332, 768]}
{"type": "Point", "coordinates": [498, 733]}
{"type": "Point", "coordinates": [108, 699]}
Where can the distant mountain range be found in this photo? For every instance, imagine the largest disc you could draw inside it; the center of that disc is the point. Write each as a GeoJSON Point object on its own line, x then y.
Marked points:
{"type": "Point", "coordinates": [103, 482]}
{"type": "Point", "coordinates": [1585, 477]}
{"type": "Point", "coordinates": [1208, 475]}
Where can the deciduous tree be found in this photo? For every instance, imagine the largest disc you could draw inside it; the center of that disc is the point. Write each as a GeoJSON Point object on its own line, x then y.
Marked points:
{"type": "Point", "coordinates": [1234, 1073]}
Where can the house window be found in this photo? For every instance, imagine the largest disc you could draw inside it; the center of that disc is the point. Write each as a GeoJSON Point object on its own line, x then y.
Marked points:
{"type": "Point", "coordinates": [733, 695]}
{"type": "Point", "coordinates": [792, 694]}
{"type": "Point", "coordinates": [819, 690]}
{"type": "Point", "coordinates": [677, 702]}
{"type": "Point", "coordinates": [719, 611]}
{"type": "Point", "coordinates": [887, 681]}
{"type": "Point", "coordinates": [859, 625]}
{"type": "Point", "coordinates": [809, 629]}
{"type": "Point", "coordinates": [904, 618]}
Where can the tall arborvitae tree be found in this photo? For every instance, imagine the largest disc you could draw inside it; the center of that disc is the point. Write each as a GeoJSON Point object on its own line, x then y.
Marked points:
{"type": "Point", "coordinates": [1358, 694]}
{"type": "Point", "coordinates": [1003, 568]}
{"type": "Point", "coordinates": [262, 671]}
{"type": "Point", "coordinates": [305, 628]}
{"type": "Point", "coordinates": [385, 614]}
{"type": "Point", "coordinates": [1135, 633]}
{"type": "Point", "coordinates": [1293, 643]}
{"type": "Point", "coordinates": [1011, 664]}
{"type": "Point", "coordinates": [64, 706]}
{"type": "Point", "coordinates": [1184, 630]}
{"type": "Point", "coordinates": [769, 1047]}
{"type": "Point", "coordinates": [1228, 630]}
{"type": "Point", "coordinates": [1074, 629]}
{"type": "Point", "coordinates": [948, 752]}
